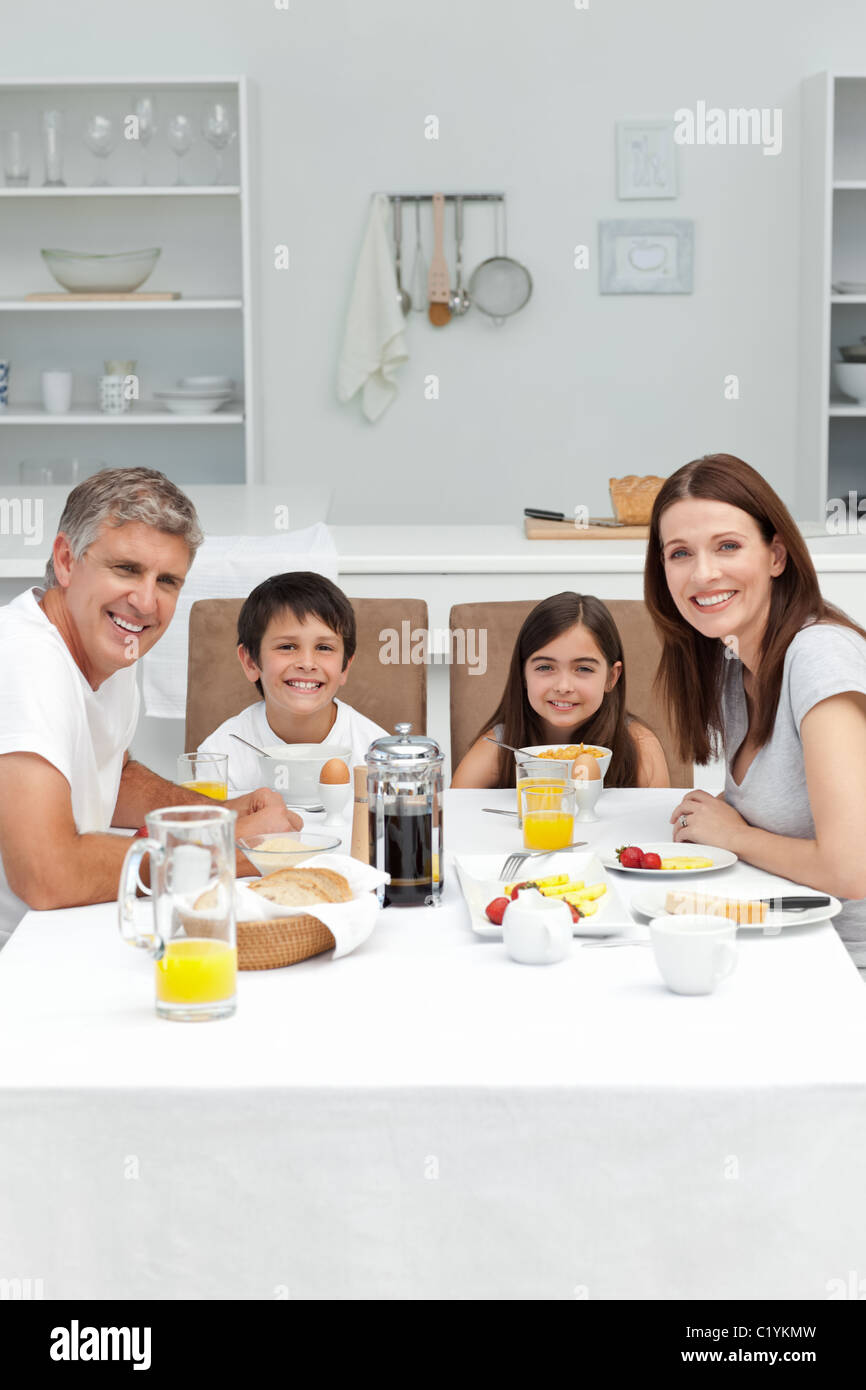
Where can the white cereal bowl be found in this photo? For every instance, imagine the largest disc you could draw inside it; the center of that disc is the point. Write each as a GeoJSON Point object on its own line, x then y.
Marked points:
{"type": "Point", "coordinates": [851, 379]}
{"type": "Point", "coordinates": [294, 771]}
{"type": "Point", "coordinates": [118, 272]}
{"type": "Point", "coordinates": [603, 762]}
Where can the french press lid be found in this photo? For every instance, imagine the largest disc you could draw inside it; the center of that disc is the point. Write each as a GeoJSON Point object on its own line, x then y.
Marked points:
{"type": "Point", "coordinates": [404, 748]}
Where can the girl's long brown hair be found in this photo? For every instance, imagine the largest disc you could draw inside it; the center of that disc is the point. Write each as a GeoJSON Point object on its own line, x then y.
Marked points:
{"type": "Point", "coordinates": [691, 670]}
{"type": "Point", "coordinates": [608, 726]}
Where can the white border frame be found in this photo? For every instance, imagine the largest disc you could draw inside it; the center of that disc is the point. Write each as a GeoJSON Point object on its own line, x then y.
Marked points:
{"type": "Point", "coordinates": [624, 130]}
{"type": "Point", "coordinates": [608, 232]}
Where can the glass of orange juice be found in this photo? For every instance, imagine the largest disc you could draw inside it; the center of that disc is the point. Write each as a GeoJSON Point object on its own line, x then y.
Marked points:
{"type": "Point", "coordinates": [193, 936]}
{"type": "Point", "coordinates": [547, 810]}
{"type": "Point", "coordinates": [207, 773]}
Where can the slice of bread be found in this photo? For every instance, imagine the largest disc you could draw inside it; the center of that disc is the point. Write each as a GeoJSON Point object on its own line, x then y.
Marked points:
{"type": "Point", "coordinates": [302, 887]}
{"type": "Point", "coordinates": [735, 909]}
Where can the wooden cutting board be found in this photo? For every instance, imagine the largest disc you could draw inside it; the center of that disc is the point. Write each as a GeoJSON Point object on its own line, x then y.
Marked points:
{"type": "Point", "coordinates": [567, 531]}
{"type": "Point", "coordinates": [78, 296]}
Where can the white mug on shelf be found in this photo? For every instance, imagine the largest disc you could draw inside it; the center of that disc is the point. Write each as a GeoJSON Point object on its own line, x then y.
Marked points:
{"type": "Point", "coordinates": [112, 399]}
{"type": "Point", "coordinates": [537, 930]}
{"type": "Point", "coordinates": [57, 392]}
{"type": "Point", "coordinates": [693, 952]}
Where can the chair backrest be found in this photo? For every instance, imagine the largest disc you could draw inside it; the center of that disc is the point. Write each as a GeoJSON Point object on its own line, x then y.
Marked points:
{"type": "Point", "coordinates": [217, 687]}
{"type": "Point", "coordinates": [474, 697]}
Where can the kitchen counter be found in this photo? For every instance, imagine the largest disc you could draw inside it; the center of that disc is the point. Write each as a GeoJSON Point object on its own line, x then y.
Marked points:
{"type": "Point", "coordinates": [381, 550]}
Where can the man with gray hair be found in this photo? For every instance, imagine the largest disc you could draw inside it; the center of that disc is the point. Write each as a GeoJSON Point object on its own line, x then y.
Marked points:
{"type": "Point", "coordinates": [70, 702]}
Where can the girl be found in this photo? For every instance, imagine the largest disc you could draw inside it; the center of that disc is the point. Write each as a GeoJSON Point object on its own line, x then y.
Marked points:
{"type": "Point", "coordinates": [566, 684]}
{"type": "Point", "coordinates": [755, 658]}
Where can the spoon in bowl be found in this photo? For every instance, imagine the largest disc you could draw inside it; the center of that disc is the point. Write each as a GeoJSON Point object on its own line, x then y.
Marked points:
{"type": "Point", "coordinates": [250, 745]}
{"type": "Point", "coordinates": [497, 744]}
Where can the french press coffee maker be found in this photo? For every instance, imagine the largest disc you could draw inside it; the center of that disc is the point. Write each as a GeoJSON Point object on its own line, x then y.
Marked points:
{"type": "Point", "coordinates": [404, 790]}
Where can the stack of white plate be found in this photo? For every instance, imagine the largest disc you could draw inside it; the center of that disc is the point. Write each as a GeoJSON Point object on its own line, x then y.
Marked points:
{"type": "Point", "coordinates": [197, 395]}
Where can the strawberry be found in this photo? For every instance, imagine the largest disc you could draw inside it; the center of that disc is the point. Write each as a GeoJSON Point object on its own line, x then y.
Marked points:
{"type": "Point", "coordinates": [518, 887]}
{"type": "Point", "coordinates": [630, 856]}
{"type": "Point", "coordinates": [496, 910]}
{"type": "Point", "coordinates": [650, 861]}
{"type": "Point", "coordinates": [575, 915]}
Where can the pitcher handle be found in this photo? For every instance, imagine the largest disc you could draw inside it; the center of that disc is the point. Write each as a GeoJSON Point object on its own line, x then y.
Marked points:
{"type": "Point", "coordinates": [129, 882]}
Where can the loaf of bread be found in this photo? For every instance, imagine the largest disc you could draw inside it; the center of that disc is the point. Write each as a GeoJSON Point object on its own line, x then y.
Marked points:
{"type": "Point", "coordinates": [299, 887]}
{"type": "Point", "coordinates": [736, 910]}
{"type": "Point", "coordinates": [303, 887]}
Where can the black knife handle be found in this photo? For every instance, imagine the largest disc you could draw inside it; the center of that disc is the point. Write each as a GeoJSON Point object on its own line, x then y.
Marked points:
{"type": "Point", "coordinates": [791, 904]}
{"type": "Point", "coordinates": [538, 515]}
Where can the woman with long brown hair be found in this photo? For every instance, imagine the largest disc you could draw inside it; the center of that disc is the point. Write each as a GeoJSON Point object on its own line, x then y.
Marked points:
{"type": "Point", "coordinates": [566, 684]}
{"type": "Point", "coordinates": [757, 664]}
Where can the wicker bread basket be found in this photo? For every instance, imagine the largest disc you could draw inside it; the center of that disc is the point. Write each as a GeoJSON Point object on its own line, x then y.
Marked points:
{"type": "Point", "coordinates": [633, 498]}
{"type": "Point", "coordinates": [274, 942]}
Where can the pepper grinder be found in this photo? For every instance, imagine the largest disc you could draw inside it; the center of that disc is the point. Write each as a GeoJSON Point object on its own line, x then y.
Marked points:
{"type": "Point", "coordinates": [360, 821]}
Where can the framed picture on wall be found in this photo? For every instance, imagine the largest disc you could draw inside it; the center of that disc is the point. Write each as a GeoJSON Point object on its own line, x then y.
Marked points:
{"type": "Point", "coordinates": [650, 256]}
{"type": "Point", "coordinates": [646, 159]}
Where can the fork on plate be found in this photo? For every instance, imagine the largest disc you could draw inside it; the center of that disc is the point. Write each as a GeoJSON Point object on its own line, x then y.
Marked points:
{"type": "Point", "coordinates": [514, 861]}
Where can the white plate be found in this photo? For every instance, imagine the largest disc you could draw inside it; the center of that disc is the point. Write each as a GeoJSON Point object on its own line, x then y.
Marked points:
{"type": "Point", "coordinates": [478, 875]}
{"type": "Point", "coordinates": [722, 858]}
{"type": "Point", "coordinates": [650, 902]}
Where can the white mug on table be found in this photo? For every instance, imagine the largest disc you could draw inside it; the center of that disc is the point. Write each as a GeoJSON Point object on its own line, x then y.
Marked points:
{"type": "Point", "coordinates": [693, 952]}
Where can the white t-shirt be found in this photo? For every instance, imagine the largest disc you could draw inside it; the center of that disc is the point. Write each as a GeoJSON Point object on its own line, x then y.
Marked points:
{"type": "Point", "coordinates": [47, 707]}
{"type": "Point", "coordinates": [245, 775]}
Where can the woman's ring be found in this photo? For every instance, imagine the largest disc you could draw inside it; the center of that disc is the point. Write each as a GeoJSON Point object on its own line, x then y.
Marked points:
{"type": "Point", "coordinates": [684, 820]}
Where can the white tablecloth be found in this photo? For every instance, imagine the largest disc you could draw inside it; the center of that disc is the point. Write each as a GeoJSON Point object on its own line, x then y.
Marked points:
{"type": "Point", "coordinates": [426, 1119]}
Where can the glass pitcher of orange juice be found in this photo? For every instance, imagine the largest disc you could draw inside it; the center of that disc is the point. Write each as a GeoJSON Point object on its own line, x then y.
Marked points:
{"type": "Point", "coordinates": [193, 940]}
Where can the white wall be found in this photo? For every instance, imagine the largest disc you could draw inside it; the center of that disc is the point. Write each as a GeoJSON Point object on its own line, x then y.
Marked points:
{"type": "Point", "coordinates": [578, 386]}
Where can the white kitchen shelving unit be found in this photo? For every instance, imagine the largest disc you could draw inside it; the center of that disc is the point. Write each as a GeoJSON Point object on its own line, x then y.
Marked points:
{"type": "Point", "coordinates": [832, 427]}
{"type": "Point", "coordinates": [204, 232]}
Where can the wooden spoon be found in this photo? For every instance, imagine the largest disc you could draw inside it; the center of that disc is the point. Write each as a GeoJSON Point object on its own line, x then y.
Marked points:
{"type": "Point", "coordinates": [439, 279]}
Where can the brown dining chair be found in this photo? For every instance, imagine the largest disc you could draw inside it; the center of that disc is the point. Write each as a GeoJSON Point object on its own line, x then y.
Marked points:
{"type": "Point", "coordinates": [475, 697]}
{"type": "Point", "coordinates": [386, 693]}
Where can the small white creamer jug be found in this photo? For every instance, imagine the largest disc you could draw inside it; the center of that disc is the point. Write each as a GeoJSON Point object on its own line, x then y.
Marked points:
{"type": "Point", "coordinates": [537, 930]}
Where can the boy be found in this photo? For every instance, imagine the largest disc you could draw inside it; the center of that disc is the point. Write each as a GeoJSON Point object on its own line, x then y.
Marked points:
{"type": "Point", "coordinates": [296, 635]}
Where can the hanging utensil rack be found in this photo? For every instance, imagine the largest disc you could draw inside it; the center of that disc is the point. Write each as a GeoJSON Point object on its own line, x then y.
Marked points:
{"type": "Point", "coordinates": [449, 197]}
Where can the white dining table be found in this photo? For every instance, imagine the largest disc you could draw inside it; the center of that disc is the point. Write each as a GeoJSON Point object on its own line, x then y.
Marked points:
{"type": "Point", "coordinates": [426, 1119]}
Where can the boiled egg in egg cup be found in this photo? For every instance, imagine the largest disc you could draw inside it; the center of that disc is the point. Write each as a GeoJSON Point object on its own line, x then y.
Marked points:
{"type": "Point", "coordinates": [335, 789]}
{"type": "Point", "coordinates": [587, 781]}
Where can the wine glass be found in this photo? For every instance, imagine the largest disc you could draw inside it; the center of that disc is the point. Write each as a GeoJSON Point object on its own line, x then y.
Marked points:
{"type": "Point", "coordinates": [218, 128]}
{"type": "Point", "coordinates": [99, 139]}
{"type": "Point", "coordinates": [179, 135]}
{"type": "Point", "coordinates": [144, 108]}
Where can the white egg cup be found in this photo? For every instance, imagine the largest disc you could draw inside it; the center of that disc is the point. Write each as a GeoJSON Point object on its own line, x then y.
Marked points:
{"type": "Point", "coordinates": [335, 798]}
{"type": "Point", "coordinates": [586, 794]}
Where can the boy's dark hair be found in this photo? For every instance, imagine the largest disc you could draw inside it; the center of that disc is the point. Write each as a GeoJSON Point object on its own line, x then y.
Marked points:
{"type": "Point", "coordinates": [307, 595]}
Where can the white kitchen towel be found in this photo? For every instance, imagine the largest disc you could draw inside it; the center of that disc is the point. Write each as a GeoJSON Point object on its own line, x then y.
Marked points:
{"type": "Point", "coordinates": [226, 567]}
{"type": "Point", "coordinates": [374, 344]}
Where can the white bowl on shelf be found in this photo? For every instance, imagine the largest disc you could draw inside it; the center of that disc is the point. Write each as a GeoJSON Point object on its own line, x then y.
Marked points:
{"type": "Point", "coordinates": [192, 402]}
{"type": "Point", "coordinates": [206, 383]}
{"type": "Point", "coordinates": [119, 272]}
{"type": "Point", "coordinates": [851, 379]}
